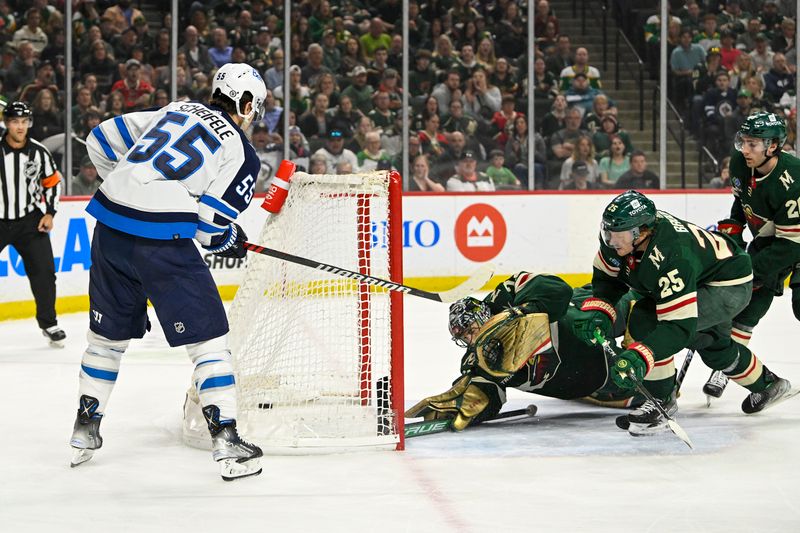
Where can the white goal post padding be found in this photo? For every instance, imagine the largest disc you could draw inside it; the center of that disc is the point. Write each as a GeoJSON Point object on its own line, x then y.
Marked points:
{"type": "Point", "coordinates": [312, 351]}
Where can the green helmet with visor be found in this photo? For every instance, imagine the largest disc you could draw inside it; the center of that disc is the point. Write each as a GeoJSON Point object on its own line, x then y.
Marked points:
{"type": "Point", "coordinates": [630, 211]}
{"type": "Point", "coordinates": [762, 125]}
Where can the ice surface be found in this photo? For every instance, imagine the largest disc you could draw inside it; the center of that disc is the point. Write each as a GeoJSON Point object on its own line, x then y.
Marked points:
{"type": "Point", "coordinates": [569, 469]}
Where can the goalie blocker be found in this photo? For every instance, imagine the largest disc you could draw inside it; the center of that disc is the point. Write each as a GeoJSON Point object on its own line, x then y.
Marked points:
{"type": "Point", "coordinates": [521, 336]}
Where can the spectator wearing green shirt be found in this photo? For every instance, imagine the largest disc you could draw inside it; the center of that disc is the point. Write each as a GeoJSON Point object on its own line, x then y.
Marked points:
{"type": "Point", "coordinates": [502, 176]}
{"type": "Point", "coordinates": [358, 91]}
{"type": "Point", "coordinates": [614, 165]}
{"type": "Point", "coordinates": [376, 37]}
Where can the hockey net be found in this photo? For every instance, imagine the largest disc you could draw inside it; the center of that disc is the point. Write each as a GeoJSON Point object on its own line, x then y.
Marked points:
{"type": "Point", "coordinates": [318, 357]}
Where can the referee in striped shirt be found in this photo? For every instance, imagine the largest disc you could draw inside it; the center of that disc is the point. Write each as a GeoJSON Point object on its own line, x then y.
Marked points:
{"type": "Point", "coordinates": [30, 185]}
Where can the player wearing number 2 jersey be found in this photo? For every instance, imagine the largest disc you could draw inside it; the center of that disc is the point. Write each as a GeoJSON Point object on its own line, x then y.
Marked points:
{"type": "Point", "coordinates": [171, 175]}
{"type": "Point", "coordinates": [694, 282]}
{"type": "Point", "coordinates": [766, 189]}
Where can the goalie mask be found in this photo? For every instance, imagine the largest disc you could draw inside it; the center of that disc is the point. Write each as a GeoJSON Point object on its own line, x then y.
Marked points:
{"type": "Point", "coordinates": [464, 314]}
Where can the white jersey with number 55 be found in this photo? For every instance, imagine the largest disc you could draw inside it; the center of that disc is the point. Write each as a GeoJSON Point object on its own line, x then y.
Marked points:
{"type": "Point", "coordinates": [182, 171]}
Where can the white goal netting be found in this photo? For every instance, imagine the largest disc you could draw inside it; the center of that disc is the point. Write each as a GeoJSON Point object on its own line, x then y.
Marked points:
{"type": "Point", "coordinates": [312, 351]}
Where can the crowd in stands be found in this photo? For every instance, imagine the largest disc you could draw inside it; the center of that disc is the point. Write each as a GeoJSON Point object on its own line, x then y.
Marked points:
{"type": "Point", "coordinates": [727, 59]}
{"type": "Point", "coordinates": [468, 88]}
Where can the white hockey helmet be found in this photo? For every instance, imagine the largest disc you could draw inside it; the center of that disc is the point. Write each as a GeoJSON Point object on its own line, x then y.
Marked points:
{"type": "Point", "coordinates": [235, 79]}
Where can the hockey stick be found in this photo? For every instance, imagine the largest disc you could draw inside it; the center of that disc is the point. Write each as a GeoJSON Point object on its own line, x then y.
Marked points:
{"type": "Point", "coordinates": [429, 427]}
{"type": "Point", "coordinates": [623, 423]}
{"type": "Point", "coordinates": [472, 284]}
{"type": "Point", "coordinates": [683, 370]}
{"type": "Point", "coordinates": [671, 424]}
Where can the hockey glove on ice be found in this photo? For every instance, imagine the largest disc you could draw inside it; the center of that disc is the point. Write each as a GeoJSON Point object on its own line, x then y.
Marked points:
{"type": "Point", "coordinates": [230, 243]}
{"type": "Point", "coordinates": [629, 361]}
{"type": "Point", "coordinates": [597, 314]}
{"type": "Point", "coordinates": [733, 229]}
{"type": "Point", "coordinates": [463, 402]}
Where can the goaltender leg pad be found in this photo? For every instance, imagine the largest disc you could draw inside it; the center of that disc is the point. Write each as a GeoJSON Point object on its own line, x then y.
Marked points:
{"type": "Point", "coordinates": [99, 368]}
{"type": "Point", "coordinates": [213, 376]}
{"type": "Point", "coordinates": [509, 340]}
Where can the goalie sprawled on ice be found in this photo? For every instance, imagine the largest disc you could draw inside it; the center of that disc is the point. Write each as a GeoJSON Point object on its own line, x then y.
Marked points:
{"type": "Point", "coordinates": [521, 336]}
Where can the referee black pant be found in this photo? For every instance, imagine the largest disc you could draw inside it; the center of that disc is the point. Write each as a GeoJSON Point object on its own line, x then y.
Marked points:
{"type": "Point", "coordinates": [37, 256]}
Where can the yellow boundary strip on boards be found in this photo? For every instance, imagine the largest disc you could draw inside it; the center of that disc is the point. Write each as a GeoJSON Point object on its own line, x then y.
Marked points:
{"type": "Point", "coordinates": [76, 304]}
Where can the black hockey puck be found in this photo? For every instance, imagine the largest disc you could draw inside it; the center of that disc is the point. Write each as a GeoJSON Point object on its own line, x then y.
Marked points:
{"type": "Point", "coordinates": [265, 406]}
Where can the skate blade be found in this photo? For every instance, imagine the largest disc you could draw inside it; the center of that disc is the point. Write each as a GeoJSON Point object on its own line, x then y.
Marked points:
{"type": "Point", "coordinates": [57, 344]}
{"type": "Point", "coordinates": [708, 400]}
{"type": "Point", "coordinates": [80, 456]}
{"type": "Point", "coordinates": [231, 470]}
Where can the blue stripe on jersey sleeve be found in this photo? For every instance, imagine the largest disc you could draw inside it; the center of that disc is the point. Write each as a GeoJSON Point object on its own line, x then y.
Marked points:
{"type": "Point", "coordinates": [217, 205]}
{"type": "Point", "coordinates": [123, 131]}
{"type": "Point", "coordinates": [208, 228]}
{"type": "Point", "coordinates": [104, 144]}
{"type": "Point", "coordinates": [151, 230]}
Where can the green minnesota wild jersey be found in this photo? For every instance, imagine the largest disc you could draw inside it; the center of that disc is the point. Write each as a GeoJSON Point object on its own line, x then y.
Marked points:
{"type": "Point", "coordinates": [564, 367]}
{"type": "Point", "coordinates": [770, 205]}
{"type": "Point", "coordinates": [680, 257]}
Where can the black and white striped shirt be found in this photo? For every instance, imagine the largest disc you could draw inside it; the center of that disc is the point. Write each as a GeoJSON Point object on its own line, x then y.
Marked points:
{"type": "Point", "coordinates": [29, 180]}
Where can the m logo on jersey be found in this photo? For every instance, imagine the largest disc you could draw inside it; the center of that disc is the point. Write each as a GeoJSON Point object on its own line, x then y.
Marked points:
{"type": "Point", "coordinates": [786, 179]}
{"type": "Point", "coordinates": [656, 257]}
{"type": "Point", "coordinates": [97, 316]}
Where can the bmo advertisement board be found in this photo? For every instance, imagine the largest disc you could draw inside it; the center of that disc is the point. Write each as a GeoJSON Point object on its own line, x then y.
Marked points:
{"type": "Point", "coordinates": [445, 237]}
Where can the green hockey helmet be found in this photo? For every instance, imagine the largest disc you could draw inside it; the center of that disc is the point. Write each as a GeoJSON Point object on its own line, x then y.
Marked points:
{"type": "Point", "coordinates": [762, 125]}
{"type": "Point", "coordinates": [463, 314]}
{"type": "Point", "coordinates": [630, 211]}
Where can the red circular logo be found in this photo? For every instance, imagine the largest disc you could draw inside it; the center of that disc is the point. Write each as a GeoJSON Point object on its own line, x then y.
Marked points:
{"type": "Point", "coordinates": [480, 232]}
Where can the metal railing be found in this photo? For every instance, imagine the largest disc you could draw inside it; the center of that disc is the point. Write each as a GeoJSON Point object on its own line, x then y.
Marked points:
{"type": "Point", "coordinates": [640, 65]}
{"type": "Point", "coordinates": [595, 14]}
{"type": "Point", "coordinates": [679, 136]}
{"type": "Point", "coordinates": [704, 153]}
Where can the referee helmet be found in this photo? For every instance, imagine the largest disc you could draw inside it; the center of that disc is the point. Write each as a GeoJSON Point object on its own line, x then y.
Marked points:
{"type": "Point", "coordinates": [17, 110]}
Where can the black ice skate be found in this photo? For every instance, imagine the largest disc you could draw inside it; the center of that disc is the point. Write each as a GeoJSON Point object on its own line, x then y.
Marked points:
{"type": "Point", "coordinates": [55, 335]}
{"type": "Point", "coordinates": [647, 420]}
{"type": "Point", "coordinates": [778, 391]}
{"type": "Point", "coordinates": [236, 457]}
{"type": "Point", "coordinates": [86, 432]}
{"type": "Point", "coordinates": [715, 386]}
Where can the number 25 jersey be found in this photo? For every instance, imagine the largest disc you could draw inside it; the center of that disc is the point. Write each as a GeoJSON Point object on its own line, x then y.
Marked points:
{"type": "Point", "coordinates": [182, 171]}
{"type": "Point", "coordinates": [679, 259]}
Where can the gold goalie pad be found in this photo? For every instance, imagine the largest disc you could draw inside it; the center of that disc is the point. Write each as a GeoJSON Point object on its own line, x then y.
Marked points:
{"type": "Point", "coordinates": [509, 339]}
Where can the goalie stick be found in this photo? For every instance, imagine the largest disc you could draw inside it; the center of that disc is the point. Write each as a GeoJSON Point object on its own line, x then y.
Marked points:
{"type": "Point", "coordinates": [474, 283]}
{"type": "Point", "coordinates": [671, 424]}
{"type": "Point", "coordinates": [429, 427]}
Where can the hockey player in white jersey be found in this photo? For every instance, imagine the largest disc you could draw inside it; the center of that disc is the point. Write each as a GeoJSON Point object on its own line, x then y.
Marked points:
{"type": "Point", "coordinates": [171, 175]}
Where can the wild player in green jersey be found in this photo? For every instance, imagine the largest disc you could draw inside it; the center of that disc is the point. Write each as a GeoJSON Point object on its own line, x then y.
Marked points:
{"type": "Point", "coordinates": [766, 189]}
{"type": "Point", "coordinates": [521, 336]}
{"type": "Point", "coordinates": [693, 283]}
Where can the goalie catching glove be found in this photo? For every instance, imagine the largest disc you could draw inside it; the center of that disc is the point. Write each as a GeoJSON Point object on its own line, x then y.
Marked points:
{"type": "Point", "coordinates": [230, 243]}
{"type": "Point", "coordinates": [465, 403]}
